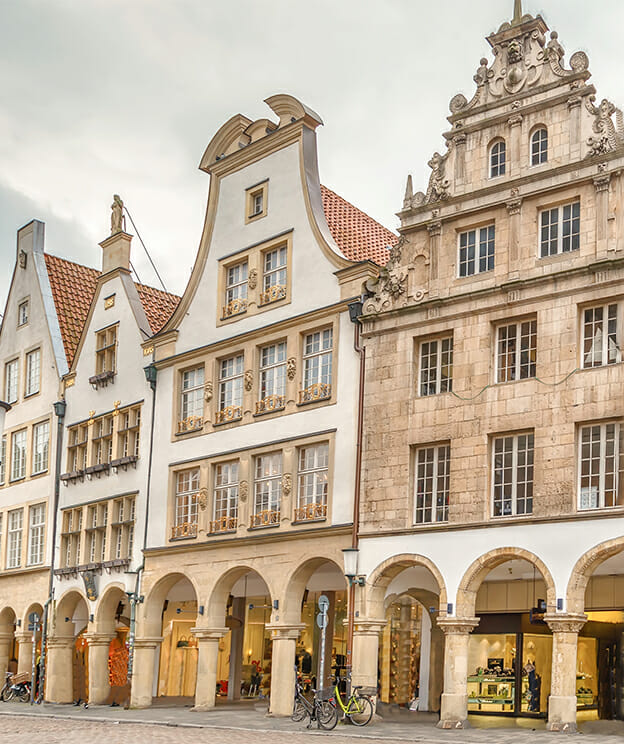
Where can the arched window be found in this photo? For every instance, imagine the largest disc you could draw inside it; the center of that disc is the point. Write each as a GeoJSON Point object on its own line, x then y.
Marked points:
{"type": "Point", "coordinates": [539, 147]}
{"type": "Point", "coordinates": [498, 159]}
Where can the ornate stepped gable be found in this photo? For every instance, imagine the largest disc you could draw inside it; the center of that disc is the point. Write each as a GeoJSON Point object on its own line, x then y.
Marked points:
{"type": "Point", "coordinates": [528, 68]}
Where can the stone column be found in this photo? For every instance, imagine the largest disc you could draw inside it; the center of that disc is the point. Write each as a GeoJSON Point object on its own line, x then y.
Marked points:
{"type": "Point", "coordinates": [142, 683]}
{"type": "Point", "coordinates": [366, 651]}
{"type": "Point", "coordinates": [435, 231]}
{"type": "Point", "coordinates": [99, 679]}
{"type": "Point", "coordinates": [460, 158]}
{"type": "Point", "coordinates": [513, 252]}
{"type": "Point", "coordinates": [601, 184]}
{"type": "Point", "coordinates": [404, 651]}
{"type": "Point", "coordinates": [283, 668]}
{"type": "Point", "coordinates": [454, 704]}
{"type": "Point", "coordinates": [206, 685]}
{"type": "Point", "coordinates": [24, 652]}
{"type": "Point", "coordinates": [59, 672]}
{"type": "Point", "coordinates": [515, 156]}
{"type": "Point", "coordinates": [562, 700]}
{"type": "Point", "coordinates": [5, 649]}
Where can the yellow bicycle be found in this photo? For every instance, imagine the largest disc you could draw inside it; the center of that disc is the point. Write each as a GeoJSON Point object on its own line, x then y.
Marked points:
{"type": "Point", "coordinates": [358, 708]}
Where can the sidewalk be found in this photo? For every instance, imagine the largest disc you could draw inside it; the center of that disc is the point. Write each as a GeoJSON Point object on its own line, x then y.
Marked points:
{"type": "Point", "coordinates": [237, 718]}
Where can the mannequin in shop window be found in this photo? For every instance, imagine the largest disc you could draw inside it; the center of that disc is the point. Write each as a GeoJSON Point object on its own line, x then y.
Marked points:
{"type": "Point", "coordinates": [535, 686]}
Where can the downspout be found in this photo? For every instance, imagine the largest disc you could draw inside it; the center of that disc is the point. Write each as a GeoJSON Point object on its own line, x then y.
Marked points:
{"type": "Point", "coordinates": [59, 409]}
{"type": "Point", "coordinates": [135, 597]}
{"type": "Point", "coordinates": [355, 311]}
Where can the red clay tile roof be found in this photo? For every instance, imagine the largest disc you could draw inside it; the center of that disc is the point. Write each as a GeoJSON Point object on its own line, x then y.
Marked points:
{"type": "Point", "coordinates": [73, 287]}
{"type": "Point", "coordinates": [358, 236]}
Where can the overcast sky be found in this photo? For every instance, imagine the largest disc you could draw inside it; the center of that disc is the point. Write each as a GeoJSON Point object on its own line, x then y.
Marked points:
{"type": "Point", "coordinates": [122, 96]}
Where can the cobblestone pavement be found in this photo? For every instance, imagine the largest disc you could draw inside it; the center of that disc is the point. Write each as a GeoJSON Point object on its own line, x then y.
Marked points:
{"type": "Point", "coordinates": [100, 725]}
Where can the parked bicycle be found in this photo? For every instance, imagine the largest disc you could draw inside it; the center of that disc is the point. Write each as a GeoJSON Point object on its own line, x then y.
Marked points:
{"type": "Point", "coordinates": [16, 687]}
{"type": "Point", "coordinates": [358, 708]}
{"type": "Point", "coordinates": [320, 710]}
{"type": "Point", "coordinates": [6, 693]}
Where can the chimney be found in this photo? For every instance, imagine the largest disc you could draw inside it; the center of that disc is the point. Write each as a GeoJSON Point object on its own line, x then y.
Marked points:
{"type": "Point", "coordinates": [30, 239]}
{"type": "Point", "coordinates": [116, 248]}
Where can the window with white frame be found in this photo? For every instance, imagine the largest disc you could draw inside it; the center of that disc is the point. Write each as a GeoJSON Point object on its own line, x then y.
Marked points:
{"type": "Point", "coordinates": [41, 447]}
{"type": "Point", "coordinates": [236, 286]}
{"type": "Point", "coordinates": [436, 366]}
{"type": "Point", "coordinates": [18, 454]}
{"type": "Point", "coordinates": [11, 377]}
{"type": "Point", "coordinates": [14, 538]}
{"type": "Point", "coordinates": [230, 389]}
{"type": "Point", "coordinates": [317, 366]}
{"type": "Point", "coordinates": [539, 146]}
{"type": "Point", "coordinates": [267, 490]}
{"type": "Point", "coordinates": [225, 509]}
{"type": "Point", "coordinates": [3, 456]}
{"type": "Point", "coordinates": [431, 484]}
{"type": "Point", "coordinates": [186, 503]}
{"type": "Point", "coordinates": [33, 372]}
{"type": "Point", "coordinates": [36, 532]}
{"type": "Point", "coordinates": [272, 380]}
{"type": "Point", "coordinates": [516, 351]}
{"type": "Point", "coordinates": [600, 466]}
{"type": "Point", "coordinates": [312, 483]}
{"type": "Point", "coordinates": [22, 313]}
{"type": "Point", "coordinates": [70, 537]}
{"type": "Point", "coordinates": [498, 159]}
{"type": "Point", "coordinates": [106, 350]}
{"type": "Point", "coordinates": [476, 251]}
{"type": "Point", "coordinates": [129, 433]}
{"type": "Point", "coordinates": [560, 229]}
{"type": "Point", "coordinates": [512, 477]}
{"type": "Point", "coordinates": [191, 399]}
{"type": "Point", "coordinates": [601, 334]}
{"type": "Point", "coordinates": [123, 527]}
{"type": "Point", "coordinates": [274, 275]}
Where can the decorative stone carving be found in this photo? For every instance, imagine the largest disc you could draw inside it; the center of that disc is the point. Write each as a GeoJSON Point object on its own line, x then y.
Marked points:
{"type": "Point", "coordinates": [554, 47]}
{"type": "Point", "coordinates": [252, 281]}
{"type": "Point", "coordinates": [438, 188]}
{"type": "Point", "coordinates": [515, 120]}
{"type": "Point", "coordinates": [610, 135]}
{"type": "Point", "coordinates": [286, 484]}
{"type": "Point", "coordinates": [579, 62]}
{"type": "Point", "coordinates": [514, 206]}
{"type": "Point", "coordinates": [458, 103]}
{"type": "Point", "coordinates": [208, 391]}
{"type": "Point", "coordinates": [412, 199]}
{"type": "Point", "coordinates": [291, 368]}
{"type": "Point", "coordinates": [243, 488]}
{"type": "Point", "coordinates": [248, 380]}
{"type": "Point", "coordinates": [117, 217]}
{"type": "Point", "coordinates": [601, 183]}
{"type": "Point", "coordinates": [434, 229]}
{"type": "Point", "coordinates": [23, 256]}
{"type": "Point", "coordinates": [202, 498]}
{"type": "Point", "coordinates": [481, 76]}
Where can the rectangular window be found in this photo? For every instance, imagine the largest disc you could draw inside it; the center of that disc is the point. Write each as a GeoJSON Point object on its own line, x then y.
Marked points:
{"type": "Point", "coordinates": [192, 400]}
{"type": "Point", "coordinates": [516, 351]}
{"type": "Point", "coordinates": [22, 313]}
{"type": "Point", "coordinates": [432, 484]}
{"type": "Point", "coordinates": [513, 475]}
{"type": "Point", "coordinates": [317, 366]}
{"type": "Point", "coordinates": [601, 336]}
{"type": "Point", "coordinates": [103, 440]}
{"type": "Point", "coordinates": [3, 455]}
{"type": "Point", "coordinates": [77, 448]}
{"type": "Point", "coordinates": [129, 433]}
{"type": "Point", "coordinates": [230, 389]}
{"type": "Point", "coordinates": [11, 376]}
{"type": "Point", "coordinates": [560, 229]}
{"type": "Point", "coordinates": [225, 513]}
{"type": "Point", "coordinates": [36, 534]}
{"type": "Point", "coordinates": [33, 372]}
{"type": "Point", "coordinates": [18, 455]}
{"type": "Point", "coordinates": [274, 275]}
{"type": "Point", "coordinates": [267, 490]}
{"type": "Point", "coordinates": [186, 504]}
{"type": "Point", "coordinates": [106, 350]}
{"type": "Point", "coordinates": [14, 538]}
{"type": "Point", "coordinates": [312, 483]}
{"type": "Point", "coordinates": [272, 387]}
{"type": "Point", "coordinates": [436, 366]}
{"type": "Point", "coordinates": [476, 251]}
{"type": "Point", "coordinates": [41, 447]}
{"type": "Point", "coordinates": [236, 285]}
{"type": "Point", "coordinates": [256, 201]}
{"type": "Point", "coordinates": [600, 454]}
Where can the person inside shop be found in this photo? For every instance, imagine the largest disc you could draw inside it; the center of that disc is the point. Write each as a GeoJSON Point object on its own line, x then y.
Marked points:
{"type": "Point", "coordinates": [535, 685]}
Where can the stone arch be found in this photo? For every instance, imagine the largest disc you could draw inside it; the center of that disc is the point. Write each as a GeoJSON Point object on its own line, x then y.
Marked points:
{"type": "Point", "coordinates": [34, 607]}
{"type": "Point", "coordinates": [218, 597]}
{"type": "Point", "coordinates": [295, 586]}
{"type": "Point", "coordinates": [481, 567]}
{"type": "Point", "coordinates": [585, 567]}
{"type": "Point", "coordinates": [106, 606]}
{"type": "Point", "coordinates": [8, 618]}
{"type": "Point", "coordinates": [152, 607]}
{"type": "Point", "coordinates": [65, 609]}
{"type": "Point", "coordinates": [382, 576]}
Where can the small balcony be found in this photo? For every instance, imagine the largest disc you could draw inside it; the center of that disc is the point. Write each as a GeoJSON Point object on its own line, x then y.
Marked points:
{"type": "Point", "coordinates": [273, 294]}
{"type": "Point", "coordinates": [313, 393]}
{"type": "Point", "coordinates": [223, 524]}
{"type": "Point", "coordinates": [267, 518]}
{"type": "Point", "coordinates": [311, 513]}
{"type": "Point", "coordinates": [270, 403]}
{"type": "Point", "coordinates": [229, 414]}
{"type": "Point", "coordinates": [234, 307]}
{"type": "Point", "coordinates": [184, 530]}
{"type": "Point", "coordinates": [190, 423]}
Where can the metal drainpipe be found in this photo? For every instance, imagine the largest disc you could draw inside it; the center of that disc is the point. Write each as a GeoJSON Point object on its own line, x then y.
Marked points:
{"type": "Point", "coordinates": [59, 409]}
{"type": "Point", "coordinates": [361, 350]}
{"type": "Point", "coordinates": [134, 597]}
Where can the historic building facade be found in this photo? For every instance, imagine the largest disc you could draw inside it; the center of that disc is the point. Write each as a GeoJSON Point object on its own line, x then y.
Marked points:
{"type": "Point", "coordinates": [492, 517]}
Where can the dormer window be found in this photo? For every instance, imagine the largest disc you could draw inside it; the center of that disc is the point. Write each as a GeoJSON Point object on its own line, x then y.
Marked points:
{"type": "Point", "coordinates": [498, 159]}
{"type": "Point", "coordinates": [539, 146]}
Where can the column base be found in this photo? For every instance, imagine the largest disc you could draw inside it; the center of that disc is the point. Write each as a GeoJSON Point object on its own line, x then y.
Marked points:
{"type": "Point", "coordinates": [453, 712]}
{"type": "Point", "coordinates": [201, 708]}
{"type": "Point", "coordinates": [446, 724]}
{"type": "Point", "coordinates": [562, 714]}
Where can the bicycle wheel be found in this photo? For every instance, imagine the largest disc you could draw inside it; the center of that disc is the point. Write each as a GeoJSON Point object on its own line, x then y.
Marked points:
{"type": "Point", "coordinates": [360, 710]}
{"type": "Point", "coordinates": [299, 711]}
{"type": "Point", "coordinates": [24, 695]}
{"type": "Point", "coordinates": [7, 694]}
{"type": "Point", "coordinates": [327, 715]}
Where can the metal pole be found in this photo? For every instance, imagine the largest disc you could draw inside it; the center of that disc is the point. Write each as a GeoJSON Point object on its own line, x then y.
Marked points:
{"type": "Point", "coordinates": [33, 665]}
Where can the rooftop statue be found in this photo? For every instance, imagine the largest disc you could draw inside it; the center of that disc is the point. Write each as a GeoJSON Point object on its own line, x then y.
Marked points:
{"type": "Point", "coordinates": [117, 217]}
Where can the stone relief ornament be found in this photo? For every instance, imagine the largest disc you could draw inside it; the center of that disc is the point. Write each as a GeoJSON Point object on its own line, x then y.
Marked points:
{"type": "Point", "coordinates": [243, 488]}
{"type": "Point", "coordinates": [412, 199]}
{"type": "Point", "coordinates": [438, 189]}
{"type": "Point", "coordinates": [253, 279]}
{"type": "Point", "coordinates": [291, 368]}
{"type": "Point", "coordinates": [286, 483]}
{"type": "Point", "coordinates": [208, 391]}
{"type": "Point", "coordinates": [610, 135]}
{"type": "Point", "coordinates": [249, 380]}
{"type": "Point", "coordinates": [202, 498]}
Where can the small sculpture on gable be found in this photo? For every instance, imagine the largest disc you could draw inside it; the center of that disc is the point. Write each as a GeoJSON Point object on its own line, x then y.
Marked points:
{"type": "Point", "coordinates": [438, 189]}
{"type": "Point", "coordinates": [554, 47]}
{"type": "Point", "coordinates": [481, 76]}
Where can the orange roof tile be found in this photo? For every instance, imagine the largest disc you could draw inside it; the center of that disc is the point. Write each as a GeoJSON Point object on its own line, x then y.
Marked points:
{"type": "Point", "coordinates": [359, 237]}
{"type": "Point", "coordinates": [73, 287]}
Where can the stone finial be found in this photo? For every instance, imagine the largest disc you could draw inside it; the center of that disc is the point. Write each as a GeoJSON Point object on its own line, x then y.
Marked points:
{"type": "Point", "coordinates": [117, 216]}
{"type": "Point", "coordinates": [517, 16]}
{"type": "Point", "coordinates": [409, 193]}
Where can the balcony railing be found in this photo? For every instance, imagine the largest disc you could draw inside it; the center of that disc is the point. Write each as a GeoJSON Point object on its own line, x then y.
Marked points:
{"type": "Point", "coordinates": [190, 423]}
{"type": "Point", "coordinates": [270, 403]}
{"type": "Point", "coordinates": [265, 518]}
{"type": "Point", "coordinates": [184, 529]}
{"type": "Point", "coordinates": [318, 391]}
{"type": "Point", "coordinates": [231, 413]}
{"type": "Point", "coordinates": [311, 513]}
{"type": "Point", "coordinates": [234, 307]}
{"type": "Point", "coordinates": [223, 524]}
{"type": "Point", "coordinates": [273, 294]}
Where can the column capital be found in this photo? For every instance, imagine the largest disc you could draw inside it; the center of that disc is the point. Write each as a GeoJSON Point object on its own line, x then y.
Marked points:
{"type": "Point", "coordinates": [99, 639]}
{"type": "Point", "coordinates": [6, 637]}
{"type": "Point", "coordinates": [515, 120]}
{"type": "Point", "coordinates": [457, 625]}
{"type": "Point", "coordinates": [514, 206]}
{"type": "Point", "coordinates": [365, 626]}
{"type": "Point", "coordinates": [148, 642]}
{"type": "Point", "coordinates": [565, 623]}
{"type": "Point", "coordinates": [60, 641]}
{"type": "Point", "coordinates": [601, 182]}
{"type": "Point", "coordinates": [23, 637]}
{"type": "Point", "coordinates": [285, 632]}
{"type": "Point", "coordinates": [434, 228]}
{"type": "Point", "coordinates": [209, 634]}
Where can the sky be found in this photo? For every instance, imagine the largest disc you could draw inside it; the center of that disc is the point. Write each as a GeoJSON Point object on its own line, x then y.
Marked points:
{"type": "Point", "coordinates": [99, 97]}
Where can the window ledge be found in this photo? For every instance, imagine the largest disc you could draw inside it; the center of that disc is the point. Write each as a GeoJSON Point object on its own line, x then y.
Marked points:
{"type": "Point", "coordinates": [123, 462]}
{"type": "Point", "coordinates": [73, 476]}
{"type": "Point", "coordinates": [102, 380]}
{"type": "Point", "coordinates": [103, 467]}
{"type": "Point", "coordinates": [17, 480]}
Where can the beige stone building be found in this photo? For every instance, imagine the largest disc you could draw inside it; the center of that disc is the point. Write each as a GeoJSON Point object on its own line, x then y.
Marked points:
{"type": "Point", "coordinates": [492, 523]}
